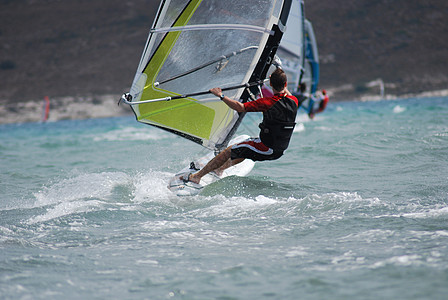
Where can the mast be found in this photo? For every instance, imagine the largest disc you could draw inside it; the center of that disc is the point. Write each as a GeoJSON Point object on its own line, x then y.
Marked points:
{"type": "Point", "coordinates": [262, 67]}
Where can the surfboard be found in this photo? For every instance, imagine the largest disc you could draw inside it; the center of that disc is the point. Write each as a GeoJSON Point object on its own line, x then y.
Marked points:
{"type": "Point", "coordinates": [181, 188]}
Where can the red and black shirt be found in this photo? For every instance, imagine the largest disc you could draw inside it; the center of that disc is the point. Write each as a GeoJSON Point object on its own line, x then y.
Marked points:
{"type": "Point", "coordinates": [279, 114]}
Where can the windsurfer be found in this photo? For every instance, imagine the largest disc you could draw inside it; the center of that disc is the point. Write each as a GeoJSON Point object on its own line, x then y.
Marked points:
{"type": "Point", "coordinates": [322, 105]}
{"type": "Point", "coordinates": [279, 113]}
{"type": "Point", "coordinates": [301, 94]}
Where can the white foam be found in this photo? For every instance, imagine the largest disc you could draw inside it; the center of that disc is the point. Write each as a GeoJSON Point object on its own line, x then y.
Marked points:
{"type": "Point", "coordinates": [78, 194]}
{"type": "Point", "coordinates": [432, 213]}
{"type": "Point", "coordinates": [345, 197]}
{"type": "Point", "coordinates": [152, 187]}
{"type": "Point", "coordinates": [369, 236]}
{"type": "Point", "coordinates": [299, 127]}
{"type": "Point", "coordinates": [131, 134]}
{"type": "Point", "coordinates": [302, 118]}
{"type": "Point", "coordinates": [297, 251]}
{"type": "Point", "coordinates": [399, 109]}
{"type": "Point", "coordinates": [147, 262]}
{"type": "Point", "coordinates": [403, 260]}
{"type": "Point", "coordinates": [66, 208]}
{"type": "Point", "coordinates": [83, 186]}
{"type": "Point", "coordinates": [233, 206]}
{"type": "Point", "coordinates": [324, 128]}
{"type": "Point", "coordinates": [263, 200]}
{"type": "Point", "coordinates": [92, 191]}
{"type": "Point", "coordinates": [432, 234]}
{"type": "Point", "coordinates": [441, 134]}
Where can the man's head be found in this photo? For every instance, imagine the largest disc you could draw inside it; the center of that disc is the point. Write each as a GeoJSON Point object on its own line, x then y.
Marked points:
{"type": "Point", "coordinates": [278, 79]}
{"type": "Point", "coordinates": [302, 87]}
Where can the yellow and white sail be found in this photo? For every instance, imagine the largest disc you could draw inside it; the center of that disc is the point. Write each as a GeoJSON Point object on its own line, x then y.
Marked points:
{"type": "Point", "coordinates": [197, 45]}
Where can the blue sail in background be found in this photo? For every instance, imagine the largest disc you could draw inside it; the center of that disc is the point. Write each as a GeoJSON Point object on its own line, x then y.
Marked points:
{"type": "Point", "coordinates": [311, 58]}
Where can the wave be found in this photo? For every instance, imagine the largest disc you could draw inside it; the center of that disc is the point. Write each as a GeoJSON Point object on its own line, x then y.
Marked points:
{"type": "Point", "coordinates": [434, 213]}
{"type": "Point", "coordinates": [88, 192]}
{"type": "Point", "coordinates": [109, 191]}
{"type": "Point", "coordinates": [231, 197]}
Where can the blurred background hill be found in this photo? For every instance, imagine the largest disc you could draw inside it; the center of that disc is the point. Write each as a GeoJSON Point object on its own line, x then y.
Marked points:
{"type": "Point", "coordinates": [86, 49]}
{"type": "Point", "coordinates": [402, 42]}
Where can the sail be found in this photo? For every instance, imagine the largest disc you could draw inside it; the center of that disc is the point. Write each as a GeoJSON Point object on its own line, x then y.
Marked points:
{"type": "Point", "coordinates": [291, 50]}
{"type": "Point", "coordinates": [311, 58]}
{"type": "Point", "coordinates": [197, 45]}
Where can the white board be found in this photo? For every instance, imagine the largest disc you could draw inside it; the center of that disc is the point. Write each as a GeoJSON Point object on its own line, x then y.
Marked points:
{"type": "Point", "coordinates": [181, 188]}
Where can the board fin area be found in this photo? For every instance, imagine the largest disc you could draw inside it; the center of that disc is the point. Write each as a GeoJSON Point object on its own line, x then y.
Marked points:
{"type": "Point", "coordinates": [181, 187]}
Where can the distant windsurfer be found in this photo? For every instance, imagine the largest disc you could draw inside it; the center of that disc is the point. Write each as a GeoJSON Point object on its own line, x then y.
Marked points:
{"type": "Point", "coordinates": [279, 113]}
{"type": "Point", "coordinates": [301, 94]}
{"type": "Point", "coordinates": [322, 104]}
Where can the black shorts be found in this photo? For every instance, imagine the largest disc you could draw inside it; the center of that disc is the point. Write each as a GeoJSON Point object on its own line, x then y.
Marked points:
{"type": "Point", "coordinates": [254, 149]}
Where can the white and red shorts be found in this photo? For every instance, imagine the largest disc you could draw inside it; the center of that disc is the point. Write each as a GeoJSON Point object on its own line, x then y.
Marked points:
{"type": "Point", "coordinates": [254, 149]}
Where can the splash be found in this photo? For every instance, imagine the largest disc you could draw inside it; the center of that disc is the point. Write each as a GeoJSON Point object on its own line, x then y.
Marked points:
{"type": "Point", "coordinates": [399, 109]}
{"type": "Point", "coordinates": [131, 134]}
{"type": "Point", "coordinates": [299, 127]}
{"type": "Point", "coordinates": [152, 187]}
{"type": "Point", "coordinates": [88, 192]}
{"type": "Point", "coordinates": [84, 186]}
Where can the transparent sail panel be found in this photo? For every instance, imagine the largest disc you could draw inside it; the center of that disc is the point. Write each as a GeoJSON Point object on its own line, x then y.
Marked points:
{"type": "Point", "coordinates": [291, 46]}
{"type": "Point", "coordinates": [292, 40]}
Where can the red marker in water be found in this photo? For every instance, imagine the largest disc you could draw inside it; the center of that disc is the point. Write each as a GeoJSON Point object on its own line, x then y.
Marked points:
{"type": "Point", "coordinates": [46, 109]}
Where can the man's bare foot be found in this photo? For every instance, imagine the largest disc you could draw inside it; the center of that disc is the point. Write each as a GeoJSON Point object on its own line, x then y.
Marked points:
{"type": "Point", "coordinates": [191, 178]}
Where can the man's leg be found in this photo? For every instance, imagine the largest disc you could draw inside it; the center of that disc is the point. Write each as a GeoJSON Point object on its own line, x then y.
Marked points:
{"type": "Point", "coordinates": [230, 162]}
{"type": "Point", "coordinates": [220, 162]}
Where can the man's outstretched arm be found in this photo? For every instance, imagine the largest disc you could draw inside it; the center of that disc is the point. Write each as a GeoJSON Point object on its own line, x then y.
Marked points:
{"type": "Point", "coordinates": [233, 104]}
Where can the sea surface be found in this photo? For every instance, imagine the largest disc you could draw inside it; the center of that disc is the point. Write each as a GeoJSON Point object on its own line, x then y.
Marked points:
{"type": "Point", "coordinates": [357, 208]}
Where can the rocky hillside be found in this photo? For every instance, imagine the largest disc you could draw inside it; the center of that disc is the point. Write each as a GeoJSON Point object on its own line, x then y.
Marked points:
{"type": "Point", "coordinates": [402, 42]}
{"type": "Point", "coordinates": [88, 48]}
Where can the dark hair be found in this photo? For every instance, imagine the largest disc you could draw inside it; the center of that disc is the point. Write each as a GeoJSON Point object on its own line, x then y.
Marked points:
{"type": "Point", "coordinates": [302, 87]}
{"type": "Point", "coordinates": [278, 79]}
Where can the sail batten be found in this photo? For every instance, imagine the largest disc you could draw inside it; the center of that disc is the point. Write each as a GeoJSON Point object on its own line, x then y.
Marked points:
{"type": "Point", "coordinates": [197, 45]}
{"type": "Point", "coordinates": [212, 27]}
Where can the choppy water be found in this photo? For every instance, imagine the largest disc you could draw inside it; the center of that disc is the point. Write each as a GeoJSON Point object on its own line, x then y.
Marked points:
{"type": "Point", "coordinates": [356, 209]}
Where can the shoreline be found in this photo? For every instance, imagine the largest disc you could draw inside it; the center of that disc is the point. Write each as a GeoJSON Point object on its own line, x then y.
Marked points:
{"type": "Point", "coordinates": [63, 108]}
{"type": "Point", "coordinates": [105, 106]}
{"type": "Point", "coordinates": [427, 94]}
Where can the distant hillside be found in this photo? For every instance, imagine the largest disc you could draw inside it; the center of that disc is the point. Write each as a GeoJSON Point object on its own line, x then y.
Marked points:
{"type": "Point", "coordinates": [70, 47]}
{"type": "Point", "coordinates": [403, 42]}
{"type": "Point", "coordinates": [92, 47]}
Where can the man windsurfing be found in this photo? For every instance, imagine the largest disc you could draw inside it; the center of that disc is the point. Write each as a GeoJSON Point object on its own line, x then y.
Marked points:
{"type": "Point", "coordinates": [322, 104]}
{"type": "Point", "coordinates": [279, 113]}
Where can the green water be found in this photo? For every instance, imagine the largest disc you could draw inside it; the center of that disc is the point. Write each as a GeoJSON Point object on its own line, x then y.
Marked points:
{"type": "Point", "coordinates": [356, 209]}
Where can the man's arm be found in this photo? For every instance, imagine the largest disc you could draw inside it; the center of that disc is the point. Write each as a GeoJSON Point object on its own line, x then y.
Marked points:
{"type": "Point", "coordinates": [233, 104]}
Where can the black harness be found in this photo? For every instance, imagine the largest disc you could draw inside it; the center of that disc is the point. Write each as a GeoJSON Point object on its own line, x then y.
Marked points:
{"type": "Point", "coordinates": [278, 124]}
